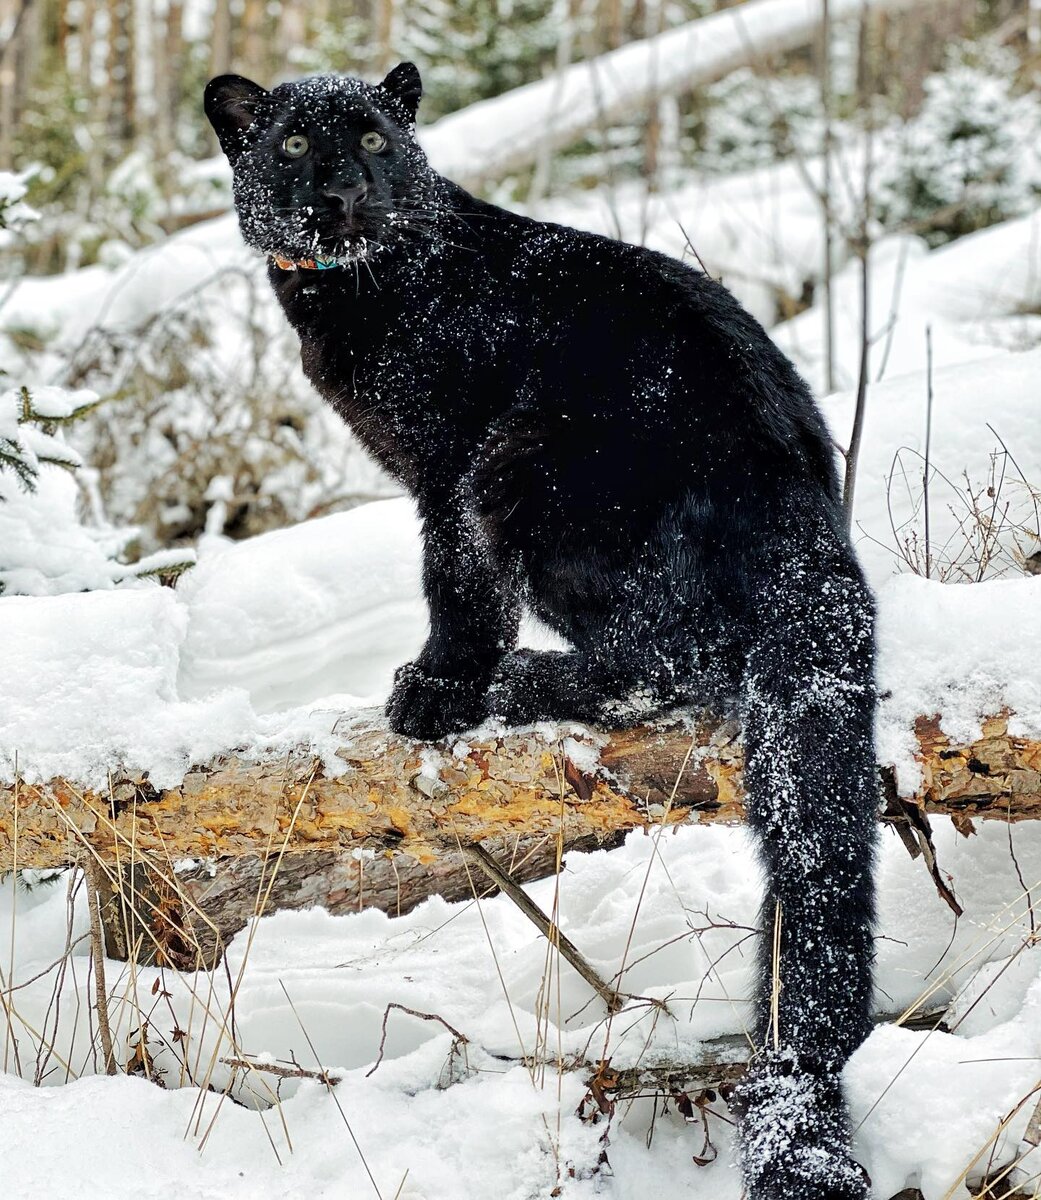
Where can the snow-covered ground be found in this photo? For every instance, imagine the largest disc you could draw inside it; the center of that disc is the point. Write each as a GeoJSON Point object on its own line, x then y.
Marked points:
{"type": "Point", "coordinates": [266, 643]}
{"type": "Point", "coordinates": [475, 1121]}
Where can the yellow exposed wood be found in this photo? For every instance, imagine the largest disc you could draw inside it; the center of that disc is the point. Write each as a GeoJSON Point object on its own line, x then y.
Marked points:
{"type": "Point", "coordinates": [390, 801]}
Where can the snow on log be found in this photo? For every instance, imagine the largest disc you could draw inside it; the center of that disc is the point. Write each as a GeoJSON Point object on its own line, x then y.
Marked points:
{"type": "Point", "coordinates": [509, 132]}
{"type": "Point", "coordinates": [393, 826]}
{"type": "Point", "coordinates": [403, 798]}
{"type": "Point", "coordinates": [416, 802]}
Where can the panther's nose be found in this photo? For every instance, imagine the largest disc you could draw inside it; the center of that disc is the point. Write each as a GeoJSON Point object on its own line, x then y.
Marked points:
{"type": "Point", "coordinates": [346, 197]}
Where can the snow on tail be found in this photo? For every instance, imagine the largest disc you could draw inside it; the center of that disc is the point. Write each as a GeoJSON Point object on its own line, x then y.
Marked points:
{"type": "Point", "coordinates": [809, 701]}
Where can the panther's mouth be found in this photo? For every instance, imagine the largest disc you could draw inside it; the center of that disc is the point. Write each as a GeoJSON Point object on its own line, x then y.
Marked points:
{"type": "Point", "coordinates": [323, 256]}
{"type": "Point", "coordinates": [306, 234]}
{"type": "Point", "coordinates": [327, 248]}
{"type": "Point", "coordinates": [349, 239]}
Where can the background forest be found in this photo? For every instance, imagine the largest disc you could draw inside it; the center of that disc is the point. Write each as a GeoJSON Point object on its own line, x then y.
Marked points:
{"type": "Point", "coordinates": [778, 153]}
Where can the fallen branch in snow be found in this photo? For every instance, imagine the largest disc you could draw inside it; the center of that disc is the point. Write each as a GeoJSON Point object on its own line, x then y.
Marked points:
{"type": "Point", "coordinates": [387, 833]}
{"type": "Point", "coordinates": [293, 1071]}
{"type": "Point", "coordinates": [504, 882]}
{"type": "Point", "coordinates": [507, 133]}
{"type": "Point", "coordinates": [720, 1062]}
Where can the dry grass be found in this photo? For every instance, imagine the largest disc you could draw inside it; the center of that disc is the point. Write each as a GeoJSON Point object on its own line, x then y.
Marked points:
{"type": "Point", "coordinates": [204, 1049]}
{"type": "Point", "coordinates": [995, 522]}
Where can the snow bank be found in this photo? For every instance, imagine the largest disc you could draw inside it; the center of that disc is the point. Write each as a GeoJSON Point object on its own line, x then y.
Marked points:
{"type": "Point", "coordinates": [976, 295]}
{"type": "Point", "coordinates": [975, 408]}
{"type": "Point", "coordinates": [156, 680]}
{"type": "Point", "coordinates": [314, 988]}
{"type": "Point", "coordinates": [90, 685]}
{"type": "Point", "coordinates": [399, 1134]}
{"type": "Point", "coordinates": [331, 605]}
{"type": "Point", "coordinates": [960, 651]}
{"type": "Point", "coordinates": [267, 641]}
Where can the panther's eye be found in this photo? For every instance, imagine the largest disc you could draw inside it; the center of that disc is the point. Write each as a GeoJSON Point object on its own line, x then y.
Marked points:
{"type": "Point", "coordinates": [373, 142]}
{"type": "Point", "coordinates": [296, 145]}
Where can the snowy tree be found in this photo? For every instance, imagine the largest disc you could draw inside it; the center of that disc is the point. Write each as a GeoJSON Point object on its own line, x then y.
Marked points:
{"type": "Point", "coordinates": [46, 545]}
{"type": "Point", "coordinates": [970, 156]}
{"type": "Point", "coordinates": [14, 212]}
{"type": "Point", "coordinates": [15, 217]}
{"type": "Point", "coordinates": [753, 120]}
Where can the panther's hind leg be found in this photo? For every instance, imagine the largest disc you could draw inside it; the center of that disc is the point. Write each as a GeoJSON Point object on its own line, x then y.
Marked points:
{"type": "Point", "coordinates": [574, 685]}
{"type": "Point", "coordinates": [644, 659]}
{"type": "Point", "coordinates": [643, 644]}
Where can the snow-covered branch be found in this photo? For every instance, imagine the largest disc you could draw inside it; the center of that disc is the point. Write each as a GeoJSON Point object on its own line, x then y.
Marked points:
{"type": "Point", "coordinates": [507, 133]}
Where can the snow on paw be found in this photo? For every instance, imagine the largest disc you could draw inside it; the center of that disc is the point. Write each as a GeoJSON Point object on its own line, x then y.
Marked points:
{"type": "Point", "coordinates": [794, 1133]}
{"type": "Point", "coordinates": [429, 702]}
{"type": "Point", "coordinates": [526, 686]}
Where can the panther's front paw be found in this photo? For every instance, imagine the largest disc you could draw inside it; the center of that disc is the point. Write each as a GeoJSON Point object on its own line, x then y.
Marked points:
{"type": "Point", "coordinates": [427, 702]}
{"type": "Point", "coordinates": [517, 692]}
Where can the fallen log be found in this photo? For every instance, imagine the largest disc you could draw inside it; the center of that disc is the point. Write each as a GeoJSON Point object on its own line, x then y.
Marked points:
{"type": "Point", "coordinates": [721, 1061]}
{"type": "Point", "coordinates": [388, 831]}
{"type": "Point", "coordinates": [491, 138]}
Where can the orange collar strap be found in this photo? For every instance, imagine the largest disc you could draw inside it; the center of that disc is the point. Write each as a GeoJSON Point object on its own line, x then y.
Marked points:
{"type": "Point", "coordinates": [304, 264]}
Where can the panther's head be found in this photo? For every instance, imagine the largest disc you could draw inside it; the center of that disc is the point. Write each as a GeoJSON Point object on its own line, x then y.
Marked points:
{"type": "Point", "coordinates": [325, 167]}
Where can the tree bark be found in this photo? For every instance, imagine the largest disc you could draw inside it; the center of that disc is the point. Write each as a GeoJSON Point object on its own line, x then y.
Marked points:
{"type": "Point", "coordinates": [221, 35]}
{"type": "Point", "coordinates": [387, 833]}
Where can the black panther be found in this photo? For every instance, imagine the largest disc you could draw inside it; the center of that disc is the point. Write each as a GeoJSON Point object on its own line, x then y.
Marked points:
{"type": "Point", "coordinates": [602, 434]}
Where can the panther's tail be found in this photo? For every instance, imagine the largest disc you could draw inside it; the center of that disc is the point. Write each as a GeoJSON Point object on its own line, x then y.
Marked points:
{"type": "Point", "coordinates": [808, 701]}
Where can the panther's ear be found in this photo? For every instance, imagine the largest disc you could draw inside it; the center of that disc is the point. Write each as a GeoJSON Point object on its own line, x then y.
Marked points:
{"type": "Point", "coordinates": [231, 104]}
{"type": "Point", "coordinates": [404, 85]}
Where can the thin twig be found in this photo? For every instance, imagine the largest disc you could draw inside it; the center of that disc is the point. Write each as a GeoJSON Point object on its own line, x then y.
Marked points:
{"type": "Point", "coordinates": [461, 1038]}
{"type": "Point", "coordinates": [97, 945]}
{"type": "Point", "coordinates": [283, 1072]}
{"type": "Point", "coordinates": [826, 197]}
{"type": "Point", "coordinates": [481, 858]}
{"type": "Point", "coordinates": [775, 979]}
{"type": "Point", "coordinates": [864, 254]}
{"type": "Point", "coordinates": [928, 443]}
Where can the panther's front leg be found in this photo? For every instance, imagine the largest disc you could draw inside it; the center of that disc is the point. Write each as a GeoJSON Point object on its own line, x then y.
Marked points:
{"type": "Point", "coordinates": [474, 615]}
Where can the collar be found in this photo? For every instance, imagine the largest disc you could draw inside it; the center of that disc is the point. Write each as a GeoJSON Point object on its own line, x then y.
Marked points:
{"type": "Point", "coordinates": [304, 264]}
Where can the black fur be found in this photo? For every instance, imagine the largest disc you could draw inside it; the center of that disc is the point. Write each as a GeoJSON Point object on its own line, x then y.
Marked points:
{"type": "Point", "coordinates": [603, 434]}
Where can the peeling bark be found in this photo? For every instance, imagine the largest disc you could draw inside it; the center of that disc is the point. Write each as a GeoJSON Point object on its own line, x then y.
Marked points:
{"type": "Point", "coordinates": [386, 833]}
